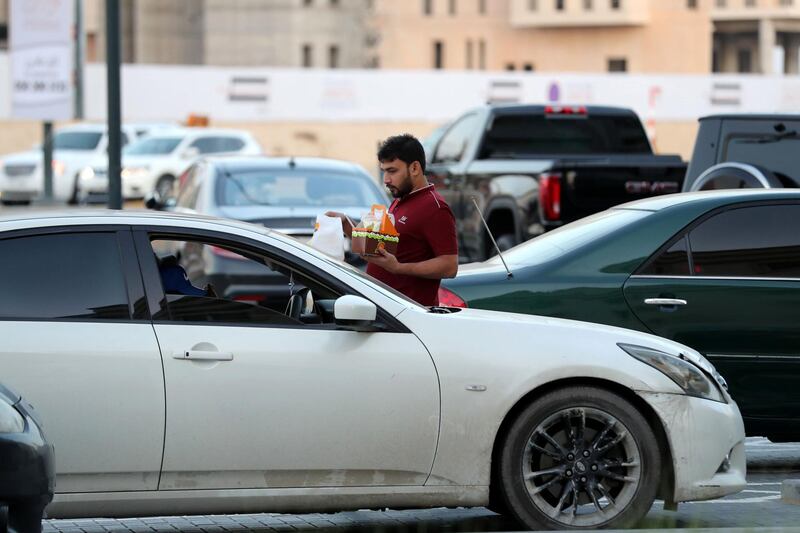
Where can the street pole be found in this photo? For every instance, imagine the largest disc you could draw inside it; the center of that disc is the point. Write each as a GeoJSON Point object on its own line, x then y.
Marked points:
{"type": "Point", "coordinates": [113, 85]}
{"type": "Point", "coordinates": [79, 47]}
{"type": "Point", "coordinates": [47, 148]}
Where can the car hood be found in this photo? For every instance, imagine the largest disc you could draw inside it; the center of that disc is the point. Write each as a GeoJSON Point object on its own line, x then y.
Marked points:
{"type": "Point", "coordinates": [34, 157]}
{"type": "Point", "coordinates": [530, 330]}
{"type": "Point", "coordinates": [290, 220]}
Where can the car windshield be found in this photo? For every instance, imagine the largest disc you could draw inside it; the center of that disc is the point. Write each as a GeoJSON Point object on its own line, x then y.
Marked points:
{"type": "Point", "coordinates": [76, 140]}
{"type": "Point", "coordinates": [297, 189]}
{"type": "Point", "coordinates": [153, 146]}
{"type": "Point", "coordinates": [570, 237]}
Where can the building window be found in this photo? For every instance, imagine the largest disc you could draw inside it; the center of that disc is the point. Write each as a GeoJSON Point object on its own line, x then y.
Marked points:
{"type": "Point", "coordinates": [617, 65]}
{"type": "Point", "coordinates": [307, 56]}
{"type": "Point", "coordinates": [427, 7]}
{"type": "Point", "coordinates": [333, 56]}
{"type": "Point", "coordinates": [745, 60]}
{"type": "Point", "coordinates": [615, 4]}
{"type": "Point", "coordinates": [510, 66]}
{"type": "Point", "coordinates": [334, 3]}
{"type": "Point", "coordinates": [528, 67]}
{"type": "Point", "coordinates": [787, 2]}
{"type": "Point", "coordinates": [482, 54]}
{"type": "Point", "coordinates": [482, 7]}
{"type": "Point", "coordinates": [559, 5]}
{"type": "Point", "coordinates": [452, 7]}
{"type": "Point", "coordinates": [750, 3]}
{"type": "Point", "coordinates": [721, 3]}
{"type": "Point", "coordinates": [587, 4]}
{"type": "Point", "coordinates": [438, 54]}
{"type": "Point", "coordinates": [533, 5]}
{"type": "Point", "coordinates": [469, 54]}
{"type": "Point", "coordinates": [307, 3]}
{"type": "Point", "coordinates": [691, 4]}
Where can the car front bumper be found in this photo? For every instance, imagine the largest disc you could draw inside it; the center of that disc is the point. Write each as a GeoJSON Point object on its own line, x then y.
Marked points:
{"type": "Point", "coordinates": [97, 186]}
{"type": "Point", "coordinates": [27, 464]}
{"type": "Point", "coordinates": [707, 443]}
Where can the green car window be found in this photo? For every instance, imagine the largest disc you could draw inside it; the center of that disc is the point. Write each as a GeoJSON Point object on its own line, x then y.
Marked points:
{"type": "Point", "coordinates": [567, 238]}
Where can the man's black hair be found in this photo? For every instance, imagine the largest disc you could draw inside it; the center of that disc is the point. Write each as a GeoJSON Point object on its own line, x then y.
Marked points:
{"type": "Point", "coordinates": [404, 147]}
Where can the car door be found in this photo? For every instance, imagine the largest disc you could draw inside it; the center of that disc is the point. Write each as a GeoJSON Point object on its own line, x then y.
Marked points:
{"type": "Point", "coordinates": [79, 345]}
{"type": "Point", "coordinates": [258, 400]}
{"type": "Point", "coordinates": [729, 286]}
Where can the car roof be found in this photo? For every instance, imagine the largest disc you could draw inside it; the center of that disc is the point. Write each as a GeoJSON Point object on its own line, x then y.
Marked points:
{"type": "Point", "coordinates": [710, 199]}
{"type": "Point", "coordinates": [184, 132]}
{"type": "Point", "coordinates": [319, 164]}
{"type": "Point", "coordinates": [752, 116]}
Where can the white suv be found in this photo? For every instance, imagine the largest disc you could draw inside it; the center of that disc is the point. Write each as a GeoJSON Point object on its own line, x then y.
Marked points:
{"type": "Point", "coordinates": [154, 162]}
{"type": "Point", "coordinates": [22, 176]}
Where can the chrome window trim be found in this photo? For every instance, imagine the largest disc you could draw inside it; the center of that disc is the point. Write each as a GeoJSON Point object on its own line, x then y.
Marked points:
{"type": "Point", "coordinates": [737, 278]}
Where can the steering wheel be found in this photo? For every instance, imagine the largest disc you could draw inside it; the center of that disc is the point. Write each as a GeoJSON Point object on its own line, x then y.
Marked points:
{"type": "Point", "coordinates": [297, 303]}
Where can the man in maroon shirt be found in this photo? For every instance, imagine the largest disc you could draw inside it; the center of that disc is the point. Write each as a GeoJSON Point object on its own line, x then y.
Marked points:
{"type": "Point", "coordinates": [428, 247]}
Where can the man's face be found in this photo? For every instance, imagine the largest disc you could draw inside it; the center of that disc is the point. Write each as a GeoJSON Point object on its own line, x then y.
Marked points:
{"type": "Point", "coordinates": [396, 177]}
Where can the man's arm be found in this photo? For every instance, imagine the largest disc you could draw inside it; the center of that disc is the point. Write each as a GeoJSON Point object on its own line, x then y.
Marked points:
{"type": "Point", "coordinates": [440, 267]}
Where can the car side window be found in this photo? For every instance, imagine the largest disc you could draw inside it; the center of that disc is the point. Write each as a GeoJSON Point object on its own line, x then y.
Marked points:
{"type": "Point", "coordinates": [757, 241]}
{"type": "Point", "coordinates": [672, 262]}
{"type": "Point", "coordinates": [453, 144]}
{"type": "Point", "coordinates": [210, 283]}
{"type": "Point", "coordinates": [63, 276]}
{"type": "Point", "coordinates": [230, 144]}
{"type": "Point", "coordinates": [216, 144]}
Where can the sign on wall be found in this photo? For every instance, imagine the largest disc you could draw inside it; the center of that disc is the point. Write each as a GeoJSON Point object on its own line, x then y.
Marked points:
{"type": "Point", "coordinates": [41, 59]}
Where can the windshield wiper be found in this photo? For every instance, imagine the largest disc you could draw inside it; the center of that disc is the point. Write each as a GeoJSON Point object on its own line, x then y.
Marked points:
{"type": "Point", "coordinates": [242, 189]}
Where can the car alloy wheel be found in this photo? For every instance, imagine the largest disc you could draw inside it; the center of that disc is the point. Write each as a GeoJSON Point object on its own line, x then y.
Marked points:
{"type": "Point", "coordinates": [580, 460]}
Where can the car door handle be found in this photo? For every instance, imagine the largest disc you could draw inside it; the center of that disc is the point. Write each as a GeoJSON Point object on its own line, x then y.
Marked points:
{"type": "Point", "coordinates": [202, 355]}
{"type": "Point", "coordinates": [665, 301]}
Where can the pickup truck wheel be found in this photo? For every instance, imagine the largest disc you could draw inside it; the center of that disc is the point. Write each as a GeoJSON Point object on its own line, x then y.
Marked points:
{"type": "Point", "coordinates": [580, 458]}
{"type": "Point", "coordinates": [25, 518]}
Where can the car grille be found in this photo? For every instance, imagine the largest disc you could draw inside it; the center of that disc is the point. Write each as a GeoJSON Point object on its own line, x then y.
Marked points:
{"type": "Point", "coordinates": [19, 170]}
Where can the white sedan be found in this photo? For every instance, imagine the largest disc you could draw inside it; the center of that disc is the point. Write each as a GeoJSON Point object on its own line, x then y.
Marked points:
{"type": "Point", "coordinates": [339, 393]}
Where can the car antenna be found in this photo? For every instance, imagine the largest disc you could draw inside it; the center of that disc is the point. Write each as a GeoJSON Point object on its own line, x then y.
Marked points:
{"type": "Point", "coordinates": [499, 254]}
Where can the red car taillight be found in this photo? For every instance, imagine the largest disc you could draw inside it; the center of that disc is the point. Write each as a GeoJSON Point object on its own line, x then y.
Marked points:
{"type": "Point", "coordinates": [550, 196]}
{"type": "Point", "coordinates": [448, 298]}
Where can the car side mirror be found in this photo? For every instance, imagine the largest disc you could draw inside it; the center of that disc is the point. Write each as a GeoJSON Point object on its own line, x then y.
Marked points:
{"type": "Point", "coordinates": [355, 313]}
{"type": "Point", "coordinates": [155, 201]}
{"type": "Point", "coordinates": [192, 152]}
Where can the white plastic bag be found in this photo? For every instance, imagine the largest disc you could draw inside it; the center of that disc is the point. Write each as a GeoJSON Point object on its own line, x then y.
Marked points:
{"type": "Point", "coordinates": [328, 236]}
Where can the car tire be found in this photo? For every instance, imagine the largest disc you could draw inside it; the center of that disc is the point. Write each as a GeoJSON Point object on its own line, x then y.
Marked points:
{"type": "Point", "coordinates": [164, 185]}
{"type": "Point", "coordinates": [73, 198]}
{"type": "Point", "coordinates": [25, 518]}
{"type": "Point", "coordinates": [579, 458]}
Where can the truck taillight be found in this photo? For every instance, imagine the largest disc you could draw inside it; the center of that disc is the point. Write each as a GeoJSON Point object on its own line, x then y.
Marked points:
{"type": "Point", "coordinates": [565, 110]}
{"type": "Point", "coordinates": [550, 196]}
{"type": "Point", "coordinates": [448, 298]}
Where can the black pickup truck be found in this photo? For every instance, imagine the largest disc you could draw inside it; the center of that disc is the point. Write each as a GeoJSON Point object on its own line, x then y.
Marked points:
{"type": "Point", "coordinates": [745, 151]}
{"type": "Point", "coordinates": [532, 168]}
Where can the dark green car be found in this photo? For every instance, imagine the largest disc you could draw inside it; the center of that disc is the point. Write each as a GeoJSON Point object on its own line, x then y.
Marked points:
{"type": "Point", "coordinates": [718, 271]}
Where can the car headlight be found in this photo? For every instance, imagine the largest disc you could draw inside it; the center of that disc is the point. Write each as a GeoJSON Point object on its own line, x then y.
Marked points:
{"type": "Point", "coordinates": [686, 375]}
{"type": "Point", "coordinates": [11, 420]}
{"type": "Point", "coordinates": [134, 172]}
{"type": "Point", "coordinates": [87, 173]}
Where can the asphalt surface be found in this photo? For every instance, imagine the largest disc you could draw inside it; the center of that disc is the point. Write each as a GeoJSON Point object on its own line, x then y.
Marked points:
{"type": "Point", "coordinates": [757, 508]}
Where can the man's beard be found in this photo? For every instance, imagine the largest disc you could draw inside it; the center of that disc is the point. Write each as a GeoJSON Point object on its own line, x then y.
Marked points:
{"type": "Point", "coordinates": [404, 189]}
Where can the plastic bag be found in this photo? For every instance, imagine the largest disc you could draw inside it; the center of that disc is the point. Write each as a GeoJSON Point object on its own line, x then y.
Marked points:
{"type": "Point", "coordinates": [328, 236]}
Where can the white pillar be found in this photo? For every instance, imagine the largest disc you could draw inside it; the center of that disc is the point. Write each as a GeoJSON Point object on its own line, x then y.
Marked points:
{"type": "Point", "coordinates": [766, 44]}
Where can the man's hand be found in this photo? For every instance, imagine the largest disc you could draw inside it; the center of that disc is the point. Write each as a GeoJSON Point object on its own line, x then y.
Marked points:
{"type": "Point", "coordinates": [385, 260]}
{"type": "Point", "coordinates": [347, 226]}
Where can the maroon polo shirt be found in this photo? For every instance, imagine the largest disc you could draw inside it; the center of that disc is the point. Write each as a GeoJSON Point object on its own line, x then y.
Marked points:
{"type": "Point", "coordinates": [427, 229]}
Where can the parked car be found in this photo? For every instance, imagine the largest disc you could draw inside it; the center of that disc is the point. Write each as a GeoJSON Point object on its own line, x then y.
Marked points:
{"type": "Point", "coordinates": [285, 194]}
{"type": "Point", "coordinates": [534, 168]}
{"type": "Point", "coordinates": [153, 163]}
{"type": "Point", "coordinates": [27, 472]}
{"type": "Point", "coordinates": [351, 397]}
{"type": "Point", "coordinates": [717, 271]}
{"type": "Point", "coordinates": [22, 175]}
{"type": "Point", "coordinates": [744, 151]}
